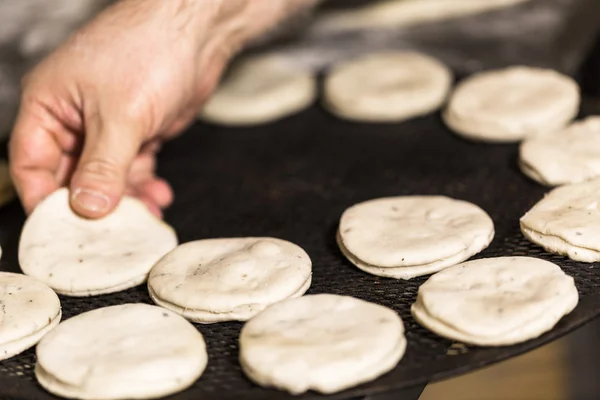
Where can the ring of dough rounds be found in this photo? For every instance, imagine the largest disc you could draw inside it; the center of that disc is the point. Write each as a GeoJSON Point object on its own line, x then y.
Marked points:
{"type": "Point", "coordinates": [82, 257]}
{"type": "Point", "coordinates": [387, 87]}
{"type": "Point", "coordinates": [512, 104]}
{"type": "Point", "coordinates": [322, 342]}
{"type": "Point", "coordinates": [130, 351]}
{"type": "Point", "coordinates": [409, 236]}
{"type": "Point", "coordinates": [231, 279]}
{"type": "Point", "coordinates": [567, 221]}
{"type": "Point", "coordinates": [488, 305]}
{"type": "Point", "coordinates": [260, 90]}
{"type": "Point", "coordinates": [567, 156]}
{"type": "Point", "coordinates": [30, 310]}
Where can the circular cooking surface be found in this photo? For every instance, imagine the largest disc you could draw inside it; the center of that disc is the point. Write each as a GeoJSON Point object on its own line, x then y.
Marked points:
{"type": "Point", "coordinates": [292, 180]}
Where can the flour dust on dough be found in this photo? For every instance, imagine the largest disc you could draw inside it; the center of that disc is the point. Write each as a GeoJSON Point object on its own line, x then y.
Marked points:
{"type": "Point", "coordinates": [323, 342]}
{"type": "Point", "coordinates": [511, 104]}
{"type": "Point", "coordinates": [387, 87]}
{"type": "Point", "coordinates": [216, 280]}
{"type": "Point", "coordinates": [129, 351]}
{"type": "Point", "coordinates": [567, 221]}
{"type": "Point", "coordinates": [571, 155]}
{"type": "Point", "coordinates": [495, 301]}
{"type": "Point", "coordinates": [408, 236]}
{"type": "Point", "coordinates": [258, 90]}
{"type": "Point", "coordinates": [30, 310]}
{"type": "Point", "coordinates": [81, 257]}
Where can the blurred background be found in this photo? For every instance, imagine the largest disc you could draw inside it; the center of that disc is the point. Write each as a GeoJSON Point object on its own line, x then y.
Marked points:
{"type": "Point", "coordinates": [558, 34]}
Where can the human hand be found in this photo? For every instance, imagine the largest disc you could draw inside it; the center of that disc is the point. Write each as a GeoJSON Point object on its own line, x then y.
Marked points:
{"type": "Point", "coordinates": [94, 113]}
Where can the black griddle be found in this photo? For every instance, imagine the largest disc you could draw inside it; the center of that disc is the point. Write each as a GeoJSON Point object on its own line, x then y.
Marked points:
{"type": "Point", "coordinates": [292, 180]}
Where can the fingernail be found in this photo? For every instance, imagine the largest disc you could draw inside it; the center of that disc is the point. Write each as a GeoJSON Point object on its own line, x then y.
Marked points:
{"type": "Point", "coordinates": [91, 200]}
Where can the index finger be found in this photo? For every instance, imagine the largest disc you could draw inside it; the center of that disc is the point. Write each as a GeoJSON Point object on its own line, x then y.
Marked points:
{"type": "Point", "coordinates": [34, 154]}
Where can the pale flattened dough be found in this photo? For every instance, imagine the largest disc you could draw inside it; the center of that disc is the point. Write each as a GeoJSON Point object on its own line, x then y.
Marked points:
{"type": "Point", "coordinates": [495, 301]}
{"type": "Point", "coordinates": [259, 90]}
{"type": "Point", "coordinates": [567, 221]}
{"type": "Point", "coordinates": [400, 13]}
{"type": "Point", "coordinates": [512, 104]}
{"type": "Point", "coordinates": [571, 155]}
{"type": "Point", "coordinates": [323, 342]}
{"type": "Point", "coordinates": [387, 87]}
{"type": "Point", "coordinates": [130, 351]}
{"type": "Point", "coordinates": [30, 310]}
{"type": "Point", "coordinates": [217, 280]}
{"type": "Point", "coordinates": [409, 236]}
{"type": "Point", "coordinates": [81, 257]}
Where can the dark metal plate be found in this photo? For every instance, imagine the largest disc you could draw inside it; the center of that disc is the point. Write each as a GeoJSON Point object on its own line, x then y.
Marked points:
{"type": "Point", "coordinates": [292, 180]}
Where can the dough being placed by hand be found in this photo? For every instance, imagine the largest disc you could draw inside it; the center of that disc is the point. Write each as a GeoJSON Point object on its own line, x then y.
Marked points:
{"type": "Point", "coordinates": [567, 221]}
{"type": "Point", "coordinates": [218, 280]}
{"type": "Point", "coordinates": [130, 351]}
{"type": "Point", "coordinates": [495, 301]}
{"type": "Point", "coordinates": [409, 236]}
{"type": "Point", "coordinates": [259, 90]}
{"type": "Point", "coordinates": [81, 257]}
{"type": "Point", "coordinates": [512, 104]}
{"type": "Point", "coordinates": [571, 155]}
{"type": "Point", "coordinates": [387, 87]}
{"type": "Point", "coordinates": [322, 342]}
{"type": "Point", "coordinates": [30, 310]}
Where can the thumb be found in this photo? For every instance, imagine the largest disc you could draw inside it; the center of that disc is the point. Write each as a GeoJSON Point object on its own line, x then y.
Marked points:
{"type": "Point", "coordinates": [99, 180]}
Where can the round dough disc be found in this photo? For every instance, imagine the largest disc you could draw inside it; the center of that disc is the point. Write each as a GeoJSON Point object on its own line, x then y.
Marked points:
{"type": "Point", "coordinates": [259, 90]}
{"type": "Point", "coordinates": [322, 342]}
{"type": "Point", "coordinates": [408, 236]}
{"type": "Point", "coordinates": [218, 280]}
{"type": "Point", "coordinates": [81, 257]}
{"type": "Point", "coordinates": [130, 351]}
{"type": "Point", "coordinates": [495, 301]}
{"type": "Point", "coordinates": [387, 87]}
{"type": "Point", "coordinates": [511, 104]}
{"type": "Point", "coordinates": [30, 310]}
{"type": "Point", "coordinates": [567, 156]}
{"type": "Point", "coordinates": [567, 221]}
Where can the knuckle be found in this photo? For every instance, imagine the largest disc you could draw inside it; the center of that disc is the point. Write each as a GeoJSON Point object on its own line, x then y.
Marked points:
{"type": "Point", "coordinates": [101, 169]}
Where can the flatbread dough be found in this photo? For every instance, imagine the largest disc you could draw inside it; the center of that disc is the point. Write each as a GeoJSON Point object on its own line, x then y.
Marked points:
{"type": "Point", "coordinates": [81, 257]}
{"type": "Point", "coordinates": [259, 90]}
{"type": "Point", "coordinates": [387, 87]}
{"type": "Point", "coordinates": [322, 342]}
{"type": "Point", "coordinates": [218, 280]}
{"type": "Point", "coordinates": [130, 351]}
{"type": "Point", "coordinates": [567, 221]}
{"type": "Point", "coordinates": [30, 310]}
{"type": "Point", "coordinates": [571, 155]}
{"type": "Point", "coordinates": [403, 13]}
{"type": "Point", "coordinates": [495, 301]}
{"type": "Point", "coordinates": [512, 104]}
{"type": "Point", "coordinates": [408, 236]}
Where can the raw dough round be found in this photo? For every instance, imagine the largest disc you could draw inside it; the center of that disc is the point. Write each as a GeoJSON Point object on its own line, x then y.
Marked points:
{"type": "Point", "coordinates": [81, 257]}
{"type": "Point", "coordinates": [571, 155]}
{"type": "Point", "coordinates": [218, 280]}
{"type": "Point", "coordinates": [408, 236]}
{"type": "Point", "coordinates": [30, 310]}
{"type": "Point", "coordinates": [402, 13]}
{"type": "Point", "coordinates": [495, 301]}
{"type": "Point", "coordinates": [130, 351]}
{"type": "Point", "coordinates": [322, 342]}
{"type": "Point", "coordinates": [387, 87]}
{"type": "Point", "coordinates": [259, 90]}
{"type": "Point", "coordinates": [567, 221]}
{"type": "Point", "coordinates": [511, 104]}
